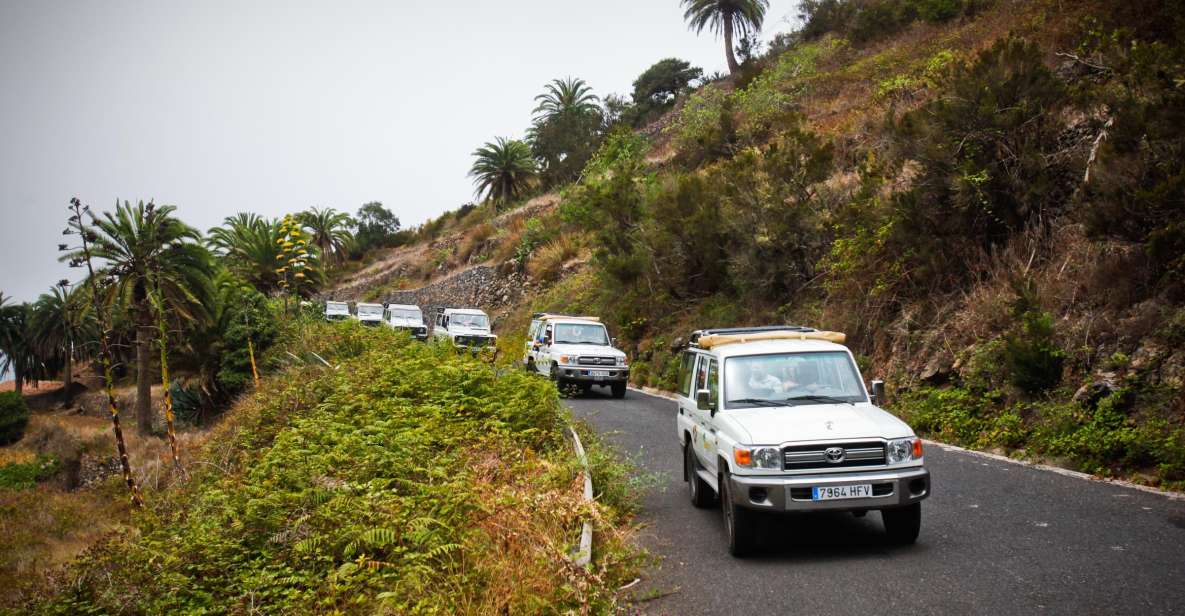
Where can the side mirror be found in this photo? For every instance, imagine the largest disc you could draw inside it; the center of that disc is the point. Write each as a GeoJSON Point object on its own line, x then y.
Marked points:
{"type": "Point", "coordinates": [613, 342]}
{"type": "Point", "coordinates": [703, 400]}
{"type": "Point", "coordinates": [878, 392]}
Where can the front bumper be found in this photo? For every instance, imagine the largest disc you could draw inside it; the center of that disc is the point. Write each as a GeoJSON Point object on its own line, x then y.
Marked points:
{"type": "Point", "coordinates": [581, 374]}
{"type": "Point", "coordinates": [891, 488]}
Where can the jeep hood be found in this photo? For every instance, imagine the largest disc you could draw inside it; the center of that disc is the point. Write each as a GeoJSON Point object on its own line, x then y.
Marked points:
{"type": "Point", "coordinates": [470, 331]}
{"type": "Point", "coordinates": [815, 422]}
{"type": "Point", "coordinates": [586, 349]}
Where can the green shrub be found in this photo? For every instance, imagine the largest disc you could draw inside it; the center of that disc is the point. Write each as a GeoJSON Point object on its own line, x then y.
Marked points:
{"type": "Point", "coordinates": [1032, 356]}
{"type": "Point", "coordinates": [14, 416]}
{"type": "Point", "coordinates": [23, 476]}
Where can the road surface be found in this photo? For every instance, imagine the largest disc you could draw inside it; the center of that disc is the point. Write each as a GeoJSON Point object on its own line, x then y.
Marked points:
{"type": "Point", "coordinates": [997, 538]}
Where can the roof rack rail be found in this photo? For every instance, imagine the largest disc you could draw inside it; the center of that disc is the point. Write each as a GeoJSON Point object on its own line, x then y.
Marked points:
{"type": "Point", "coordinates": [708, 338]}
{"type": "Point", "coordinates": [556, 315]}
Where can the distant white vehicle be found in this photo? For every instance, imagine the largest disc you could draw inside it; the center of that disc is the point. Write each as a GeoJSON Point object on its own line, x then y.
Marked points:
{"type": "Point", "coordinates": [466, 328]}
{"type": "Point", "coordinates": [575, 351]}
{"type": "Point", "coordinates": [336, 311]}
{"type": "Point", "coordinates": [408, 318]}
{"type": "Point", "coordinates": [369, 314]}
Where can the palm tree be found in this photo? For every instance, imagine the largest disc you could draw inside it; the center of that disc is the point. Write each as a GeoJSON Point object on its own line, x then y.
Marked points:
{"type": "Point", "coordinates": [16, 343]}
{"type": "Point", "coordinates": [564, 96]}
{"type": "Point", "coordinates": [330, 232]}
{"type": "Point", "coordinates": [247, 243]}
{"type": "Point", "coordinates": [732, 17]}
{"type": "Point", "coordinates": [146, 247]}
{"type": "Point", "coordinates": [61, 328]}
{"type": "Point", "coordinates": [503, 170]}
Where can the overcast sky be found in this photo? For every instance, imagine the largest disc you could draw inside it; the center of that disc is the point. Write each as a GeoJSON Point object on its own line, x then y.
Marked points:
{"type": "Point", "coordinates": [273, 107]}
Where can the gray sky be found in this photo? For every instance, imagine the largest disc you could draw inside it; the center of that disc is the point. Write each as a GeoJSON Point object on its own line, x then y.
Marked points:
{"type": "Point", "coordinates": [273, 107]}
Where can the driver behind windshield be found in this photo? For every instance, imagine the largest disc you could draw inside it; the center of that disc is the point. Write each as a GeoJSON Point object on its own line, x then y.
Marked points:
{"type": "Point", "coordinates": [762, 382]}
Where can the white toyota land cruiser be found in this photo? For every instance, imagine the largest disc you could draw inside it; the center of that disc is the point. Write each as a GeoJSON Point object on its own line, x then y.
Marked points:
{"type": "Point", "coordinates": [465, 328]}
{"type": "Point", "coordinates": [336, 311]}
{"type": "Point", "coordinates": [407, 318]}
{"type": "Point", "coordinates": [778, 419]}
{"type": "Point", "coordinates": [575, 351]}
{"type": "Point", "coordinates": [369, 314]}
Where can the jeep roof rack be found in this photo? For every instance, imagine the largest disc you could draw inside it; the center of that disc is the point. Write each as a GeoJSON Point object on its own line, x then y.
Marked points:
{"type": "Point", "coordinates": [708, 338]}
{"type": "Point", "coordinates": [556, 315]}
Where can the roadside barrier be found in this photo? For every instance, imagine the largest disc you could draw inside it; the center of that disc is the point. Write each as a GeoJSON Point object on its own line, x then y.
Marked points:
{"type": "Point", "coordinates": [583, 556]}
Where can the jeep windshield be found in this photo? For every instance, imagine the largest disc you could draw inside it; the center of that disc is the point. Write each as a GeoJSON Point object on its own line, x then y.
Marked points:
{"type": "Point", "coordinates": [398, 313]}
{"type": "Point", "coordinates": [337, 308]}
{"type": "Point", "coordinates": [370, 311]}
{"type": "Point", "coordinates": [472, 321]}
{"type": "Point", "coordinates": [580, 333]}
{"type": "Point", "coordinates": [791, 379]}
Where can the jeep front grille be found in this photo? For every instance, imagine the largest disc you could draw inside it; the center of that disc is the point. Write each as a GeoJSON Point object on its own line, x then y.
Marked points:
{"type": "Point", "coordinates": [802, 457]}
{"type": "Point", "coordinates": [596, 361]}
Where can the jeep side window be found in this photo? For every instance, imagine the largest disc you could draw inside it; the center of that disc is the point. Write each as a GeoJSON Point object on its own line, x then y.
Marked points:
{"type": "Point", "coordinates": [701, 376]}
{"type": "Point", "coordinates": [713, 380]}
{"type": "Point", "coordinates": [687, 374]}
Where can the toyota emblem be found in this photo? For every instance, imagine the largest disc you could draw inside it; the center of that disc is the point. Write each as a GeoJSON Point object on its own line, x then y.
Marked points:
{"type": "Point", "coordinates": [834, 455]}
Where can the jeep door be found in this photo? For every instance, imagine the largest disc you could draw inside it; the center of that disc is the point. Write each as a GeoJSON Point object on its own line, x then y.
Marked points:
{"type": "Point", "coordinates": [532, 336]}
{"type": "Point", "coordinates": [703, 432]}
{"type": "Point", "coordinates": [543, 356]}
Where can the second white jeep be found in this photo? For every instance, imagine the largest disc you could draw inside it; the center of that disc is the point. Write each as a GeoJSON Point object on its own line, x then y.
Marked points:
{"type": "Point", "coordinates": [777, 419]}
{"type": "Point", "coordinates": [575, 352]}
{"type": "Point", "coordinates": [465, 328]}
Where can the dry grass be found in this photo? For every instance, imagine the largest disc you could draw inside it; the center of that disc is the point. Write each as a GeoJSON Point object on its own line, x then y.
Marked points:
{"type": "Point", "coordinates": [547, 261]}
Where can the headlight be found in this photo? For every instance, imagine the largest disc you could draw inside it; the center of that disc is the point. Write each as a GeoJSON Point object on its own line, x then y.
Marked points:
{"type": "Point", "coordinates": [567, 359]}
{"type": "Point", "coordinates": [904, 450]}
{"type": "Point", "coordinates": [621, 361]}
{"type": "Point", "coordinates": [758, 457]}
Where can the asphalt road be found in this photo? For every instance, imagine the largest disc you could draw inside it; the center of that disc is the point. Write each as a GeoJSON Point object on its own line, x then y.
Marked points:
{"type": "Point", "coordinates": [997, 538]}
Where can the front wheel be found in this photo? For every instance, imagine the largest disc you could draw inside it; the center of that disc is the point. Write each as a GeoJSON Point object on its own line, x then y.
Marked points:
{"type": "Point", "coordinates": [618, 390]}
{"type": "Point", "coordinates": [738, 521]}
{"type": "Point", "coordinates": [903, 524]}
{"type": "Point", "coordinates": [698, 489]}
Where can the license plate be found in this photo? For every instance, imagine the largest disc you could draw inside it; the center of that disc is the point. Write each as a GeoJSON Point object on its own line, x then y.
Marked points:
{"type": "Point", "coordinates": [599, 374]}
{"type": "Point", "coordinates": [863, 490]}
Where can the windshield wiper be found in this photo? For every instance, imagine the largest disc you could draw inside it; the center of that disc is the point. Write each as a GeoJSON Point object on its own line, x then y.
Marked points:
{"type": "Point", "coordinates": [819, 398]}
{"type": "Point", "coordinates": [757, 401]}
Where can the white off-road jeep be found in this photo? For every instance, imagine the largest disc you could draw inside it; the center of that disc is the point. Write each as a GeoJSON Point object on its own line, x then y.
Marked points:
{"type": "Point", "coordinates": [336, 311]}
{"type": "Point", "coordinates": [575, 352]}
{"type": "Point", "coordinates": [369, 314]}
{"type": "Point", "coordinates": [778, 419]}
{"type": "Point", "coordinates": [465, 328]}
{"type": "Point", "coordinates": [407, 318]}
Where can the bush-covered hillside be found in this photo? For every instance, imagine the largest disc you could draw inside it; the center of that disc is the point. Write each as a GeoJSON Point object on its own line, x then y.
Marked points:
{"type": "Point", "coordinates": [986, 196]}
{"type": "Point", "coordinates": [409, 479]}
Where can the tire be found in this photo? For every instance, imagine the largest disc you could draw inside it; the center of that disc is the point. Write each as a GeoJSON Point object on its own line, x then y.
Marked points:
{"type": "Point", "coordinates": [738, 521]}
{"type": "Point", "coordinates": [618, 390]}
{"type": "Point", "coordinates": [698, 489]}
{"type": "Point", "coordinates": [560, 384]}
{"type": "Point", "coordinates": [903, 524]}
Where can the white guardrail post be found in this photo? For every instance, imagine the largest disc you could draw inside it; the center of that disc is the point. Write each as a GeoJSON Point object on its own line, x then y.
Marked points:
{"type": "Point", "coordinates": [583, 556]}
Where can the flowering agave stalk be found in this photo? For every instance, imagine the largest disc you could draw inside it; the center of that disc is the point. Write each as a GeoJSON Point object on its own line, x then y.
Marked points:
{"type": "Point", "coordinates": [163, 342]}
{"type": "Point", "coordinates": [79, 259]}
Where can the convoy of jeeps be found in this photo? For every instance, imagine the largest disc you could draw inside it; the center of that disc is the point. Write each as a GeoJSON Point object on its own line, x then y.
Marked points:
{"type": "Point", "coordinates": [768, 419]}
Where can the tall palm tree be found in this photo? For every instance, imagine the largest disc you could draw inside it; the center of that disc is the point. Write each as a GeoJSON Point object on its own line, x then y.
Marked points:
{"type": "Point", "coordinates": [731, 17]}
{"type": "Point", "coordinates": [61, 328]}
{"type": "Point", "coordinates": [330, 232]}
{"type": "Point", "coordinates": [145, 246]}
{"type": "Point", "coordinates": [563, 96]}
{"type": "Point", "coordinates": [247, 243]}
{"type": "Point", "coordinates": [503, 170]}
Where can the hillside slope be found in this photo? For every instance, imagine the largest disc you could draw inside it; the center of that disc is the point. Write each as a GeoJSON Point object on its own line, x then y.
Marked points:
{"type": "Point", "coordinates": [988, 204]}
